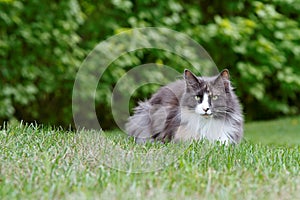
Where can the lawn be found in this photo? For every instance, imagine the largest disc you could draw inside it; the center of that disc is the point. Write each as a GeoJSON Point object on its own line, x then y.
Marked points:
{"type": "Point", "coordinates": [47, 163]}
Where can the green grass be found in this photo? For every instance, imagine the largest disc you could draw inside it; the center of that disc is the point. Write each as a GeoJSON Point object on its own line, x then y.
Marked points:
{"type": "Point", "coordinates": [47, 163]}
{"type": "Point", "coordinates": [279, 132]}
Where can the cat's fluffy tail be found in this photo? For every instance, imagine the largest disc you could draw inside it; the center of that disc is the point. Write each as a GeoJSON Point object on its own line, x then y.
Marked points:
{"type": "Point", "coordinates": [139, 125]}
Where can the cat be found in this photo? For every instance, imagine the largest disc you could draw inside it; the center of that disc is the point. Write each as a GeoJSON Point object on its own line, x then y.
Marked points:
{"type": "Point", "coordinates": [193, 108]}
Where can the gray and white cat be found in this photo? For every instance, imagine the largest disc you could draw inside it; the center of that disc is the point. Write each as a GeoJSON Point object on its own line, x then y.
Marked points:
{"type": "Point", "coordinates": [191, 109]}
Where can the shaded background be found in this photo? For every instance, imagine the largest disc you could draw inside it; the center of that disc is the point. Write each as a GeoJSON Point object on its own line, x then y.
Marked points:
{"type": "Point", "coordinates": [43, 43]}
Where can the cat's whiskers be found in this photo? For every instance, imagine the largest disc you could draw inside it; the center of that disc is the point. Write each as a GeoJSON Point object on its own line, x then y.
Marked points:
{"type": "Point", "coordinates": [230, 114]}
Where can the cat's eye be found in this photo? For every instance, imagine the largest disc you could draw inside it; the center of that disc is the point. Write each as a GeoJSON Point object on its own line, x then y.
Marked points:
{"type": "Point", "coordinates": [197, 97]}
{"type": "Point", "coordinates": [215, 97]}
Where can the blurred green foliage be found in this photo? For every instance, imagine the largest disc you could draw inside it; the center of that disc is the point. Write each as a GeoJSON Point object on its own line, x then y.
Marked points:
{"type": "Point", "coordinates": [42, 44]}
{"type": "Point", "coordinates": [39, 55]}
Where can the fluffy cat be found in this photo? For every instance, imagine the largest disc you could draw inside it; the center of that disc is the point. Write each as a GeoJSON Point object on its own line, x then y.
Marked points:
{"type": "Point", "coordinates": [190, 109]}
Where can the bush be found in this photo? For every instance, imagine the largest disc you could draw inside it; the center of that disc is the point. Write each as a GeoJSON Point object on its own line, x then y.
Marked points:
{"type": "Point", "coordinates": [39, 57]}
{"type": "Point", "coordinates": [43, 43]}
{"type": "Point", "coordinates": [261, 46]}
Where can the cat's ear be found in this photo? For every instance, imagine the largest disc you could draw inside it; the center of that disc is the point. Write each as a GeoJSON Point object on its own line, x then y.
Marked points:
{"type": "Point", "coordinates": [190, 79]}
{"type": "Point", "coordinates": [225, 74]}
{"type": "Point", "coordinates": [224, 79]}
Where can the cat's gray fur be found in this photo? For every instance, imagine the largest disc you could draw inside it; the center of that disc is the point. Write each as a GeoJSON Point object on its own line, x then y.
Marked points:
{"type": "Point", "coordinates": [170, 114]}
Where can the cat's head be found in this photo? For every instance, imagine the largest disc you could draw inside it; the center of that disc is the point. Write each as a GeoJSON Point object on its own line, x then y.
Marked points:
{"type": "Point", "coordinates": [207, 96]}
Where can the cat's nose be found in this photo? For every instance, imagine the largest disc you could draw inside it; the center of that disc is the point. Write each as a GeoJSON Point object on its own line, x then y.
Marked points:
{"type": "Point", "coordinates": [205, 109]}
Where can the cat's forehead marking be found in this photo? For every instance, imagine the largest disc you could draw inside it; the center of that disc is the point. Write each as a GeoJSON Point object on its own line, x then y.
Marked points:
{"type": "Point", "coordinates": [205, 88]}
{"type": "Point", "coordinates": [213, 88]}
{"type": "Point", "coordinates": [210, 88]}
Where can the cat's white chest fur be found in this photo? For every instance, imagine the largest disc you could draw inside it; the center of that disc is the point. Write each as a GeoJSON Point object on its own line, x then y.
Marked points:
{"type": "Point", "coordinates": [196, 127]}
